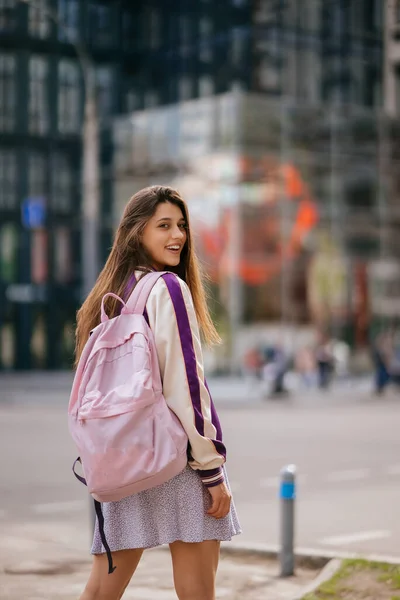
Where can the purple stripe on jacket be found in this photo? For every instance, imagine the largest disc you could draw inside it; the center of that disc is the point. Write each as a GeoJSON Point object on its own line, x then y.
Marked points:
{"type": "Point", "coordinates": [185, 334]}
{"type": "Point", "coordinates": [220, 447]}
{"type": "Point", "coordinates": [189, 355]}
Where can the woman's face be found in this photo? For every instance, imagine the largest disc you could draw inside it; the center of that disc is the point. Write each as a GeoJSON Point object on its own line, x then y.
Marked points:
{"type": "Point", "coordinates": [165, 236]}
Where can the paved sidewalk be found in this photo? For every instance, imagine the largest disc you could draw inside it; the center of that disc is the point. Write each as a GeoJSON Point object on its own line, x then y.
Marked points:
{"type": "Point", "coordinates": [50, 561]}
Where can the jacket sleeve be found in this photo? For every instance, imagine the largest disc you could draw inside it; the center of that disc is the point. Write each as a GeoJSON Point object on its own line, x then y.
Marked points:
{"type": "Point", "coordinates": [174, 324]}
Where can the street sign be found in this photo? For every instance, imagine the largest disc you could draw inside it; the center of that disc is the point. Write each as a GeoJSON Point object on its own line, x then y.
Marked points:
{"type": "Point", "coordinates": [33, 212]}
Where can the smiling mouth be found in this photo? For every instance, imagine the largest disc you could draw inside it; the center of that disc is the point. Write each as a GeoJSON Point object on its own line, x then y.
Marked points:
{"type": "Point", "coordinates": [174, 248]}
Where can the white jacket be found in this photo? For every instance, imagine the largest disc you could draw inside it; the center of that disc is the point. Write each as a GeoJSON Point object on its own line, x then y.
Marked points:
{"type": "Point", "coordinates": [172, 318]}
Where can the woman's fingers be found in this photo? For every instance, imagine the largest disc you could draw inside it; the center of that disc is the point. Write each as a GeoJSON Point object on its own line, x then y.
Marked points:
{"type": "Point", "coordinates": [214, 509]}
{"type": "Point", "coordinates": [221, 501]}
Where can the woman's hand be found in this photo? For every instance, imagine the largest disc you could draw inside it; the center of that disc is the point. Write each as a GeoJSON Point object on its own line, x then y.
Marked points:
{"type": "Point", "coordinates": [221, 501]}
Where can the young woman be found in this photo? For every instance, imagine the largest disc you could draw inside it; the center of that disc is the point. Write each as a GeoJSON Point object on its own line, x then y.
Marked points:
{"type": "Point", "coordinates": [193, 511]}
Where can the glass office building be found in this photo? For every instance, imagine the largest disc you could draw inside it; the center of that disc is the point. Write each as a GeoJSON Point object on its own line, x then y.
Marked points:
{"type": "Point", "coordinates": [41, 115]}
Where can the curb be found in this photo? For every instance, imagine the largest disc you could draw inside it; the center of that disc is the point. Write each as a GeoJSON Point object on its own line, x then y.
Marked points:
{"type": "Point", "coordinates": [327, 572]}
{"type": "Point", "coordinates": [311, 557]}
{"type": "Point", "coordinates": [303, 557]}
{"type": "Point", "coordinates": [328, 562]}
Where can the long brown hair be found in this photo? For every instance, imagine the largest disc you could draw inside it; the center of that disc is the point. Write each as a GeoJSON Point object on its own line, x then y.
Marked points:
{"type": "Point", "coordinates": [128, 253]}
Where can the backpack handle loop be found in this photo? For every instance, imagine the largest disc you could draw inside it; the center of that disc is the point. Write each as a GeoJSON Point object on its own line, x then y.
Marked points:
{"type": "Point", "coordinates": [104, 316]}
{"type": "Point", "coordinates": [136, 303]}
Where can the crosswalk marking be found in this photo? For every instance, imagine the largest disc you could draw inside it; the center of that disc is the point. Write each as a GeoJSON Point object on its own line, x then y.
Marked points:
{"type": "Point", "coordinates": [351, 538]}
{"type": "Point", "coordinates": [347, 475]}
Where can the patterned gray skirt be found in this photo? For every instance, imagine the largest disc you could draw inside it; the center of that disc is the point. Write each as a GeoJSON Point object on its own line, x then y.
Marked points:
{"type": "Point", "coordinates": [175, 510]}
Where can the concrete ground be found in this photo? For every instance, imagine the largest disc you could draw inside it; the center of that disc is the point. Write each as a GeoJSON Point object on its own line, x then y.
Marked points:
{"type": "Point", "coordinates": [345, 445]}
{"type": "Point", "coordinates": [50, 561]}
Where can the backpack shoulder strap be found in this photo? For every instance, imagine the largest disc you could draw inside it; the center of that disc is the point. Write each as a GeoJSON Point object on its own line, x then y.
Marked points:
{"type": "Point", "coordinates": [136, 302]}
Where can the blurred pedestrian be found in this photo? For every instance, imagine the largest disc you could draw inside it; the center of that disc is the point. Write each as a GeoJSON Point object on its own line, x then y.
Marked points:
{"type": "Point", "coordinates": [274, 370]}
{"type": "Point", "coordinates": [382, 356]}
{"type": "Point", "coordinates": [324, 360]}
{"type": "Point", "coordinates": [193, 511]}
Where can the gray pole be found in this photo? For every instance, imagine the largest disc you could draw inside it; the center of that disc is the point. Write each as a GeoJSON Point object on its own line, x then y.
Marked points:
{"type": "Point", "coordinates": [287, 496]}
{"type": "Point", "coordinates": [90, 202]}
{"type": "Point", "coordinates": [91, 188]}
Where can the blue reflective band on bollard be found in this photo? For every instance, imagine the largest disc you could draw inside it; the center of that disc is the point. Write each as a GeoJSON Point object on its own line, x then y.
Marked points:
{"type": "Point", "coordinates": [288, 490]}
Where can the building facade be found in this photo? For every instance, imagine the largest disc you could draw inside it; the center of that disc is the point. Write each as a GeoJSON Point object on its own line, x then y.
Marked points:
{"type": "Point", "coordinates": [41, 113]}
{"type": "Point", "coordinates": [144, 55]}
{"type": "Point", "coordinates": [392, 58]}
{"type": "Point", "coordinates": [277, 137]}
{"type": "Point", "coordinates": [316, 51]}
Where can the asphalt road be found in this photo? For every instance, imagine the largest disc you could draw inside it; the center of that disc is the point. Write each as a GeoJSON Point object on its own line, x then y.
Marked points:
{"type": "Point", "coordinates": [345, 446]}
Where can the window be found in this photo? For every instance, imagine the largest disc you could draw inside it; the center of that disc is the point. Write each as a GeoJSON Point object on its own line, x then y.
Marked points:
{"type": "Point", "coordinates": [340, 83]}
{"type": "Point", "coordinates": [155, 29]}
{"type": "Point", "coordinates": [237, 86]}
{"type": "Point", "coordinates": [61, 184]}
{"type": "Point", "coordinates": [8, 252]}
{"type": "Point", "coordinates": [309, 15]}
{"type": "Point", "coordinates": [268, 76]}
{"type": "Point", "coordinates": [38, 19]}
{"type": "Point", "coordinates": [372, 12]}
{"type": "Point", "coordinates": [100, 24]}
{"type": "Point", "coordinates": [270, 61]}
{"type": "Point", "coordinates": [206, 86]}
{"type": "Point", "coordinates": [63, 256]}
{"type": "Point", "coordinates": [68, 15]}
{"type": "Point", "coordinates": [206, 28]}
{"type": "Point", "coordinates": [185, 88]}
{"type": "Point", "coordinates": [8, 180]}
{"type": "Point", "coordinates": [69, 97]}
{"type": "Point", "coordinates": [37, 175]}
{"type": "Point", "coordinates": [377, 95]}
{"type": "Point", "coordinates": [186, 35]}
{"type": "Point", "coordinates": [150, 99]}
{"type": "Point", "coordinates": [129, 30]}
{"type": "Point", "coordinates": [337, 21]}
{"type": "Point", "coordinates": [104, 90]}
{"type": "Point", "coordinates": [308, 75]}
{"type": "Point", "coordinates": [39, 256]}
{"type": "Point", "coordinates": [133, 100]}
{"type": "Point", "coordinates": [267, 11]}
{"type": "Point", "coordinates": [377, 14]}
{"type": "Point", "coordinates": [8, 18]}
{"type": "Point", "coordinates": [239, 39]}
{"type": "Point", "coordinates": [38, 98]}
{"type": "Point", "coordinates": [7, 92]}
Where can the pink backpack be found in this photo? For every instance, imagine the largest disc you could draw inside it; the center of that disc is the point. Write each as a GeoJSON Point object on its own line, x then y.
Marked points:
{"type": "Point", "coordinates": [127, 437]}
